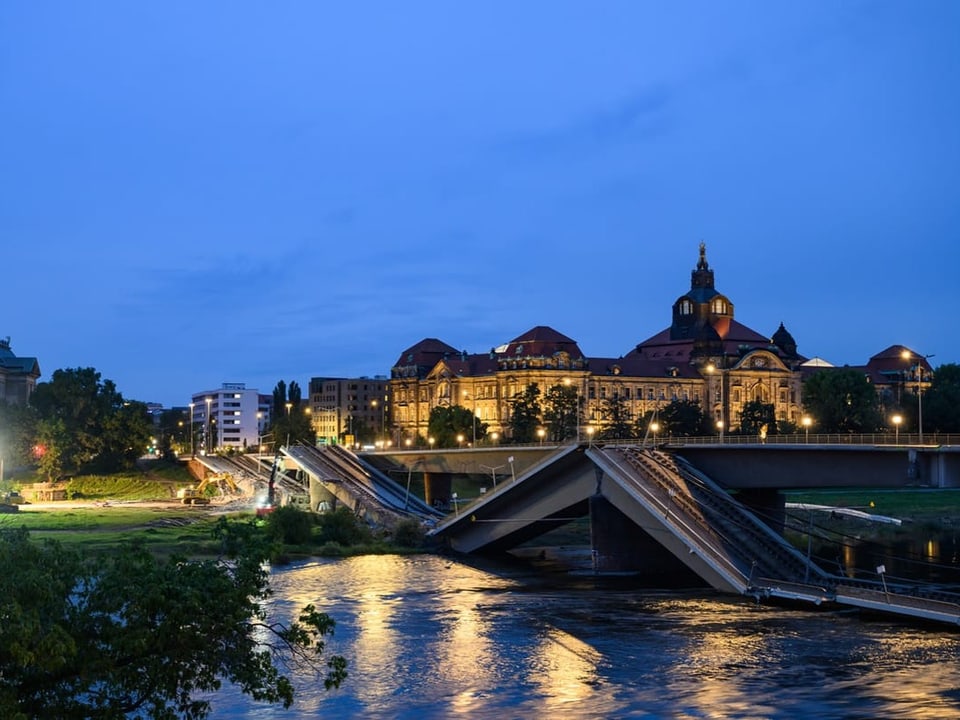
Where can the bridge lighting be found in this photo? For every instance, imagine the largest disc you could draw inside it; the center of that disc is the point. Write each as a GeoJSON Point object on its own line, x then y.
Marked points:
{"type": "Point", "coordinates": [460, 440]}
{"type": "Point", "coordinates": [897, 419]}
{"type": "Point", "coordinates": [540, 433]}
{"type": "Point", "coordinates": [806, 421]}
{"type": "Point", "coordinates": [590, 431]}
{"type": "Point", "coordinates": [908, 356]}
{"type": "Point", "coordinates": [654, 428]}
{"type": "Point", "coordinates": [431, 441]}
{"type": "Point", "coordinates": [720, 430]}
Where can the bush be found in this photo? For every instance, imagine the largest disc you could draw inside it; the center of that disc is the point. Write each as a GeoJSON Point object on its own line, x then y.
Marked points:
{"type": "Point", "coordinates": [342, 527]}
{"type": "Point", "coordinates": [290, 525]}
{"type": "Point", "coordinates": [408, 533]}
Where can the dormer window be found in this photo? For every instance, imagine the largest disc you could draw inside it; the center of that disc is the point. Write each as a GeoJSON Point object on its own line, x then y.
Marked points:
{"type": "Point", "coordinates": [719, 306]}
{"type": "Point", "coordinates": [686, 307]}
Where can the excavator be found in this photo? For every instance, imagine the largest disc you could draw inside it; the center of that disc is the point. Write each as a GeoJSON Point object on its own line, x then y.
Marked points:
{"type": "Point", "coordinates": [196, 495]}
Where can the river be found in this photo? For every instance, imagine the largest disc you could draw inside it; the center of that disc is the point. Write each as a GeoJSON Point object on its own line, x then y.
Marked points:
{"type": "Point", "coordinates": [431, 637]}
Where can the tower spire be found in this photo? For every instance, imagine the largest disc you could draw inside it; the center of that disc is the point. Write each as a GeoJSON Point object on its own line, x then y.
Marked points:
{"type": "Point", "coordinates": [702, 277]}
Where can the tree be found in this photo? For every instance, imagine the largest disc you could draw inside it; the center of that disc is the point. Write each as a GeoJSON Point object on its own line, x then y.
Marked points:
{"type": "Point", "coordinates": [941, 402]}
{"type": "Point", "coordinates": [84, 423]}
{"type": "Point", "coordinates": [525, 414]}
{"type": "Point", "coordinates": [683, 418]}
{"type": "Point", "coordinates": [446, 423]}
{"type": "Point", "coordinates": [291, 420]}
{"type": "Point", "coordinates": [841, 400]}
{"type": "Point", "coordinates": [758, 418]}
{"type": "Point", "coordinates": [133, 636]}
{"type": "Point", "coordinates": [561, 413]}
{"type": "Point", "coordinates": [18, 434]}
{"type": "Point", "coordinates": [615, 418]}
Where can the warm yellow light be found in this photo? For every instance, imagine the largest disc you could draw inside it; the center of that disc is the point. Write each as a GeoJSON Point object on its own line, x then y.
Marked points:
{"type": "Point", "coordinates": [806, 421]}
{"type": "Point", "coordinates": [655, 426]}
{"type": "Point", "coordinates": [897, 419]}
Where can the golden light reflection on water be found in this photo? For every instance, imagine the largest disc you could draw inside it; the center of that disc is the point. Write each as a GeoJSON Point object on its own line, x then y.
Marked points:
{"type": "Point", "coordinates": [565, 669]}
{"type": "Point", "coordinates": [426, 637]}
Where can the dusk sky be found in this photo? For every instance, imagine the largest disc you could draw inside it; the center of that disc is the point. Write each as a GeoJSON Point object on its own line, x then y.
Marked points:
{"type": "Point", "coordinates": [194, 193]}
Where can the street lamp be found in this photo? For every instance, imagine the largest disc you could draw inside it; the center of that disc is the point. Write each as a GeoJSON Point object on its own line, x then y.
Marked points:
{"type": "Point", "coordinates": [459, 440]}
{"type": "Point", "coordinates": [806, 421]}
{"type": "Point", "coordinates": [907, 355]}
{"type": "Point", "coordinates": [590, 431]}
{"type": "Point", "coordinates": [654, 428]}
{"type": "Point", "coordinates": [473, 415]}
{"type": "Point", "coordinates": [191, 430]}
{"type": "Point", "coordinates": [711, 368]}
{"type": "Point", "coordinates": [567, 382]}
{"type": "Point", "coordinates": [540, 433]}
{"type": "Point", "coordinates": [897, 419]}
{"type": "Point", "coordinates": [206, 430]}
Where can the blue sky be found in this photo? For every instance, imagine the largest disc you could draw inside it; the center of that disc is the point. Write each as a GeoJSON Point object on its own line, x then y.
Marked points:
{"type": "Point", "coordinates": [198, 193]}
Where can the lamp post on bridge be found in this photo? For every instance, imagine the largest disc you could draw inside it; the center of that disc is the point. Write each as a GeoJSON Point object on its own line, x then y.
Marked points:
{"type": "Point", "coordinates": [806, 422]}
{"type": "Point", "coordinates": [908, 355]}
{"type": "Point", "coordinates": [897, 419]}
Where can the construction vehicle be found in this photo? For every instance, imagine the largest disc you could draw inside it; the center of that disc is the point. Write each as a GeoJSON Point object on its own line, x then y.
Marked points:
{"type": "Point", "coordinates": [269, 503]}
{"type": "Point", "coordinates": [196, 495]}
{"type": "Point", "coordinates": [191, 496]}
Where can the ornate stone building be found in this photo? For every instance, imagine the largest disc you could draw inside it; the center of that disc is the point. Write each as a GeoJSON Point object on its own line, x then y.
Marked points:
{"type": "Point", "coordinates": [18, 375]}
{"type": "Point", "coordinates": [705, 355]}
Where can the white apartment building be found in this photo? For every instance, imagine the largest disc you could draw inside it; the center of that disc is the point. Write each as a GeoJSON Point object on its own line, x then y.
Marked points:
{"type": "Point", "coordinates": [230, 417]}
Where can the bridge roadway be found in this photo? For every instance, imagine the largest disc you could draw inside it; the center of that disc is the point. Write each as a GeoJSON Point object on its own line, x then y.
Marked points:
{"type": "Point", "coordinates": [658, 513]}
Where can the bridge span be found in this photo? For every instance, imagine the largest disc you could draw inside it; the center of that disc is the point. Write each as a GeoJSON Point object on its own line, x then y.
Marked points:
{"type": "Point", "coordinates": [654, 512]}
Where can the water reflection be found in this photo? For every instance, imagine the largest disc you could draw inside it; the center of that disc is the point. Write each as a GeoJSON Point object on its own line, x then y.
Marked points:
{"type": "Point", "coordinates": [427, 637]}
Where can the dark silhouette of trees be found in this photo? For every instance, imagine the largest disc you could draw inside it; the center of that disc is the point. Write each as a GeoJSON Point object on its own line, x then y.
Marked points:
{"type": "Point", "coordinates": [842, 400]}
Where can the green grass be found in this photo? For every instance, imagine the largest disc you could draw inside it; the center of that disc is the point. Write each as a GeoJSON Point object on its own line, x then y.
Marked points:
{"type": "Point", "coordinates": [910, 504]}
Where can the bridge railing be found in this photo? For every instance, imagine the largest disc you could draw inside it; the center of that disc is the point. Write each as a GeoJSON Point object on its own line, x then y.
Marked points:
{"type": "Point", "coordinates": [866, 439]}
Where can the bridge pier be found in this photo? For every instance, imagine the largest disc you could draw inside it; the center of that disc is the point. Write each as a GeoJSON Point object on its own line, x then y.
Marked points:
{"type": "Point", "coordinates": [767, 504]}
{"type": "Point", "coordinates": [620, 546]}
{"type": "Point", "coordinates": [438, 489]}
{"type": "Point", "coordinates": [320, 497]}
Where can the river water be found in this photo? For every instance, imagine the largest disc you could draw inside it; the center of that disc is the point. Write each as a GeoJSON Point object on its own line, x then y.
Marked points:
{"type": "Point", "coordinates": [431, 637]}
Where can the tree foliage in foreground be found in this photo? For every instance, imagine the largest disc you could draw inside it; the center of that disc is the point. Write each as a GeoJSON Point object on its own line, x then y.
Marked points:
{"type": "Point", "coordinates": [133, 636]}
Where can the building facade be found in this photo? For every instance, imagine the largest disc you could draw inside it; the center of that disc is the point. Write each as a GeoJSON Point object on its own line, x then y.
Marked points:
{"type": "Point", "coordinates": [18, 375]}
{"type": "Point", "coordinates": [705, 355]}
{"type": "Point", "coordinates": [351, 410]}
{"type": "Point", "coordinates": [231, 417]}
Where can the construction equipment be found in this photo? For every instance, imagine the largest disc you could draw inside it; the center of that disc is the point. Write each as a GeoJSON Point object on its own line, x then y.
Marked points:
{"type": "Point", "coordinates": [196, 495]}
{"type": "Point", "coordinates": [191, 496]}
{"type": "Point", "coordinates": [269, 503]}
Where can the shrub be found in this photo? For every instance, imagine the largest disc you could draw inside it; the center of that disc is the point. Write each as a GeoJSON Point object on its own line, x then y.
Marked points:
{"type": "Point", "coordinates": [408, 533]}
{"type": "Point", "coordinates": [290, 525]}
{"type": "Point", "coordinates": [342, 526]}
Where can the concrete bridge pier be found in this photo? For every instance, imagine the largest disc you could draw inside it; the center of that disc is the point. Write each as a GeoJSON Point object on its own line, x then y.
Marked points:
{"type": "Point", "coordinates": [768, 504]}
{"type": "Point", "coordinates": [320, 497]}
{"type": "Point", "coordinates": [438, 489]}
{"type": "Point", "coordinates": [620, 546]}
